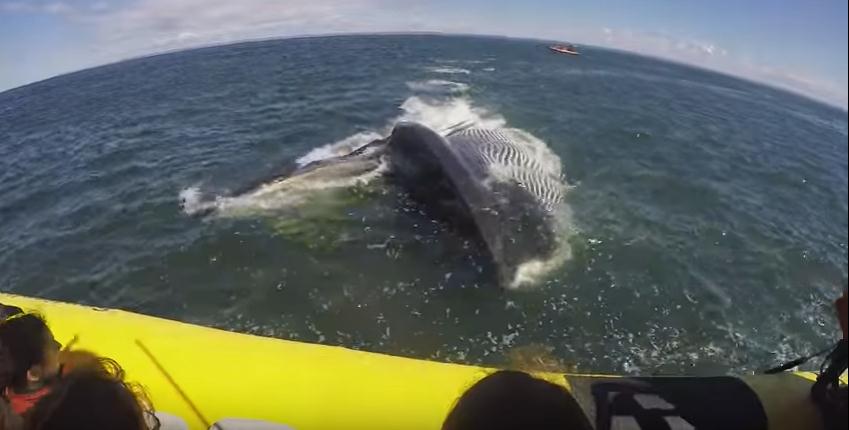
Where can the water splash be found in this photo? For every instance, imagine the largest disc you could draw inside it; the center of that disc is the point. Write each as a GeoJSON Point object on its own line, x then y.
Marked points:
{"type": "Point", "coordinates": [438, 86]}
{"type": "Point", "coordinates": [449, 70]}
{"type": "Point", "coordinates": [436, 113]}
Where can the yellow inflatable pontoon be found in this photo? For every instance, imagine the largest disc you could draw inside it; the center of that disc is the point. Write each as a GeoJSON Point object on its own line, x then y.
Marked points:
{"type": "Point", "coordinates": [316, 387]}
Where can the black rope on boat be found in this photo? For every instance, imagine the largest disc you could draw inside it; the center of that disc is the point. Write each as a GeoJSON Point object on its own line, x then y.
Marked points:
{"type": "Point", "coordinates": [174, 384]}
{"type": "Point", "coordinates": [797, 362]}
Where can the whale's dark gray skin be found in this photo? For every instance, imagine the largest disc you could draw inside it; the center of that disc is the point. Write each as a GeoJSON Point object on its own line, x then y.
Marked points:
{"type": "Point", "coordinates": [483, 182]}
{"type": "Point", "coordinates": [452, 179]}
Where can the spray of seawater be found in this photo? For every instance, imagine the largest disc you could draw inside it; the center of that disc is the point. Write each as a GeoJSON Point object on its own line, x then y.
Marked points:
{"type": "Point", "coordinates": [441, 105]}
{"type": "Point", "coordinates": [531, 273]}
{"type": "Point", "coordinates": [436, 113]}
{"type": "Point", "coordinates": [438, 86]}
{"type": "Point", "coordinates": [191, 199]}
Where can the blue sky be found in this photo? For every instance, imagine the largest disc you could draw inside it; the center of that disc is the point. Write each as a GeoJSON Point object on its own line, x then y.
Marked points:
{"type": "Point", "coordinates": [794, 44]}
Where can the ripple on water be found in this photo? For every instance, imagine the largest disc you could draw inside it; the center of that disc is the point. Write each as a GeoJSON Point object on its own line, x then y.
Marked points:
{"type": "Point", "coordinates": [710, 212]}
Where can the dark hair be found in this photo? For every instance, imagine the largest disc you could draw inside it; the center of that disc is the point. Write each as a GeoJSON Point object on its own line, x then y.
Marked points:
{"type": "Point", "coordinates": [511, 400]}
{"type": "Point", "coordinates": [7, 311]}
{"type": "Point", "coordinates": [93, 398]}
{"type": "Point", "coordinates": [22, 339]}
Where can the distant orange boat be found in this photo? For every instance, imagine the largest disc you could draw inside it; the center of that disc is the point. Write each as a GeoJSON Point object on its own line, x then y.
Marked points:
{"type": "Point", "coordinates": [565, 49]}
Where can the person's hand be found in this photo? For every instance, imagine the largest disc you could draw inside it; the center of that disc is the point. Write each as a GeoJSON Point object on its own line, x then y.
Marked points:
{"type": "Point", "coordinates": [843, 314]}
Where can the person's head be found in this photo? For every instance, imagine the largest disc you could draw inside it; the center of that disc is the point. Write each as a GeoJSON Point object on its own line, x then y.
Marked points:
{"type": "Point", "coordinates": [93, 398]}
{"type": "Point", "coordinates": [29, 355]}
{"type": "Point", "coordinates": [7, 311]}
{"type": "Point", "coordinates": [510, 400]}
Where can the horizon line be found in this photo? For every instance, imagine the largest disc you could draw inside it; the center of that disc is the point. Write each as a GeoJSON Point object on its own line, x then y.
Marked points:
{"type": "Point", "coordinates": [830, 104]}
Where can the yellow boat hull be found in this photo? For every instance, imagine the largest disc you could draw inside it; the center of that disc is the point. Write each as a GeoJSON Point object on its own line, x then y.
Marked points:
{"type": "Point", "coordinates": [315, 387]}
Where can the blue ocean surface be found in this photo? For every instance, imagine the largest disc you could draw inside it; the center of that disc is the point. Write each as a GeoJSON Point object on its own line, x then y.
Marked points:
{"type": "Point", "coordinates": [708, 215]}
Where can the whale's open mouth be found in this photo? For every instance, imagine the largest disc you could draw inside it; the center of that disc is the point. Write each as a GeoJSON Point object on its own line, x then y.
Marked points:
{"type": "Point", "coordinates": [502, 186]}
{"type": "Point", "coordinates": [509, 193]}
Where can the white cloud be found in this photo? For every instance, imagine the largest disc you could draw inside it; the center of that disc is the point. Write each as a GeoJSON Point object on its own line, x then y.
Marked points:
{"type": "Point", "coordinates": [14, 6]}
{"type": "Point", "coordinates": [52, 8]}
{"type": "Point", "coordinates": [155, 25]}
{"type": "Point", "coordinates": [57, 8]}
{"type": "Point", "coordinates": [99, 6]}
{"type": "Point", "coordinates": [709, 55]}
{"type": "Point", "coordinates": [122, 30]}
{"type": "Point", "coordinates": [805, 84]}
{"type": "Point", "coordinates": [659, 44]}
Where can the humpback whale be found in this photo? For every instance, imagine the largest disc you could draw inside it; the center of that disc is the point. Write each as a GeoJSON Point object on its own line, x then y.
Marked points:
{"type": "Point", "coordinates": [499, 186]}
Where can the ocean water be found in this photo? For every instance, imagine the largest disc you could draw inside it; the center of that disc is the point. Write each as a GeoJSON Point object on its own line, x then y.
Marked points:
{"type": "Point", "coordinates": [708, 226]}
